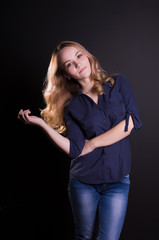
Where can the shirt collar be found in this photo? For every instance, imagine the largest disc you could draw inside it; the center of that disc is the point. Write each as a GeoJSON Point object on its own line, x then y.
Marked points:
{"type": "Point", "coordinates": [80, 91]}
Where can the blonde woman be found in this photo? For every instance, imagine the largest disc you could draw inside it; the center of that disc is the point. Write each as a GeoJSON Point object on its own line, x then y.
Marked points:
{"type": "Point", "coordinates": [90, 115]}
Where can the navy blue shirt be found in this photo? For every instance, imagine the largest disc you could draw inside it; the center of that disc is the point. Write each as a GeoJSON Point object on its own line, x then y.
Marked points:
{"type": "Point", "coordinates": [85, 120]}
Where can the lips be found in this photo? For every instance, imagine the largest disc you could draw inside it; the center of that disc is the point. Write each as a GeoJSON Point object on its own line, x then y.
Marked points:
{"type": "Point", "coordinates": [82, 69]}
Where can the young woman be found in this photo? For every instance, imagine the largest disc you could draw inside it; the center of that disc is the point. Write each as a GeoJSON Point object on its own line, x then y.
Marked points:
{"type": "Point", "coordinates": [90, 115]}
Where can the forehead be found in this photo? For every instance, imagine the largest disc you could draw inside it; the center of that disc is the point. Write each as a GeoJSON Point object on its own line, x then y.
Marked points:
{"type": "Point", "coordinates": [67, 53]}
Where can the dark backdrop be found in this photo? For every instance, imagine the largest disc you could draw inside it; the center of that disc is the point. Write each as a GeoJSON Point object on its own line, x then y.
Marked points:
{"type": "Point", "coordinates": [124, 36]}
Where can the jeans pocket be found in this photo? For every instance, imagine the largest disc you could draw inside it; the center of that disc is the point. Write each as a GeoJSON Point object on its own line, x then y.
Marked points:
{"type": "Point", "coordinates": [126, 179]}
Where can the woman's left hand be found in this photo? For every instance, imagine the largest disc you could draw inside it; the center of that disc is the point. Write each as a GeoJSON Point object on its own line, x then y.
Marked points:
{"type": "Point", "coordinates": [88, 147]}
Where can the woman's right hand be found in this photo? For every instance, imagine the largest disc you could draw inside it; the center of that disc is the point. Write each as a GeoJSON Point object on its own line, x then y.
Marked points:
{"type": "Point", "coordinates": [25, 117]}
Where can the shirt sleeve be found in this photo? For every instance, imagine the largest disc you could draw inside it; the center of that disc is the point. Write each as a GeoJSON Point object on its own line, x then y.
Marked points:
{"type": "Point", "coordinates": [130, 104]}
{"type": "Point", "coordinates": [74, 134]}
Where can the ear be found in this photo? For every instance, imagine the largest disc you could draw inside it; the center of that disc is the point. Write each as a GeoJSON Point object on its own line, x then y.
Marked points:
{"type": "Point", "coordinates": [66, 76]}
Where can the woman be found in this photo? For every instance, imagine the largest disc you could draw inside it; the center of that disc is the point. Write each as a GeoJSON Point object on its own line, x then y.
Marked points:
{"type": "Point", "coordinates": [90, 115]}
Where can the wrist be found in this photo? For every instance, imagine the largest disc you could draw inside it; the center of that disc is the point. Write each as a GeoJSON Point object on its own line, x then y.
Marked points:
{"type": "Point", "coordinates": [42, 124]}
{"type": "Point", "coordinates": [93, 143]}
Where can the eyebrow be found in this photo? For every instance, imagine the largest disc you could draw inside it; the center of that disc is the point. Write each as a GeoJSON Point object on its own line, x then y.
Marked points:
{"type": "Point", "coordinates": [75, 55]}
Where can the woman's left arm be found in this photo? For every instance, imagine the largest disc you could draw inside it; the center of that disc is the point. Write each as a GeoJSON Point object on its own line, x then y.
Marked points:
{"type": "Point", "coordinates": [110, 137]}
{"type": "Point", "coordinates": [124, 128]}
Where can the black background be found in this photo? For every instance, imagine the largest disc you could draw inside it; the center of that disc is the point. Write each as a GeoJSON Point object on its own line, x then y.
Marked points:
{"type": "Point", "coordinates": [124, 36]}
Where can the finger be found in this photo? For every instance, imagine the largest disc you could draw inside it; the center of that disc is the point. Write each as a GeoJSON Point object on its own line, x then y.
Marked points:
{"type": "Point", "coordinates": [22, 116]}
{"type": "Point", "coordinates": [26, 115]}
{"type": "Point", "coordinates": [19, 113]}
{"type": "Point", "coordinates": [27, 111]}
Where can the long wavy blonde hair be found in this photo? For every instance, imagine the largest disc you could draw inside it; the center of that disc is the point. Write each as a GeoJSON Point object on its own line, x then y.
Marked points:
{"type": "Point", "coordinates": [58, 90]}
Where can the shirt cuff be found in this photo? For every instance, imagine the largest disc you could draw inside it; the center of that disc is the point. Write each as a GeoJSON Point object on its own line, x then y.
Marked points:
{"type": "Point", "coordinates": [75, 148]}
{"type": "Point", "coordinates": [137, 122]}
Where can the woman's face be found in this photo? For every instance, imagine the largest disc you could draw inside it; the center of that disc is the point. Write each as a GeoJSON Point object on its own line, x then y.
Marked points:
{"type": "Point", "coordinates": [75, 63]}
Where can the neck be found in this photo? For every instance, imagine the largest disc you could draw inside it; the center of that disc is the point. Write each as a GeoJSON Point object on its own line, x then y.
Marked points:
{"type": "Point", "coordinates": [86, 85]}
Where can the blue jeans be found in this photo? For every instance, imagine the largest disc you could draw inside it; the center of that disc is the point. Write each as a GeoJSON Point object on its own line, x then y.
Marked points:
{"type": "Point", "coordinates": [98, 209]}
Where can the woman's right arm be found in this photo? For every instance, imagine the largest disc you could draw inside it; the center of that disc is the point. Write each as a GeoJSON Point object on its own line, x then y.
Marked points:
{"type": "Point", "coordinates": [60, 141]}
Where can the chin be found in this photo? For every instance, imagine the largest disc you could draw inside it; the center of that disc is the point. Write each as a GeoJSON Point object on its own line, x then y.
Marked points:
{"type": "Point", "coordinates": [86, 74]}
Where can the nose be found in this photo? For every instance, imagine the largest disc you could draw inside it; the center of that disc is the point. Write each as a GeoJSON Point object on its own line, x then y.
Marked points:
{"type": "Point", "coordinates": [77, 64]}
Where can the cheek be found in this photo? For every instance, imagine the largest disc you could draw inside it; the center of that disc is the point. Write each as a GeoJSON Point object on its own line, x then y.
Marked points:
{"type": "Point", "coordinates": [85, 59]}
{"type": "Point", "coordinates": [72, 71]}
{"type": "Point", "coordinates": [87, 62]}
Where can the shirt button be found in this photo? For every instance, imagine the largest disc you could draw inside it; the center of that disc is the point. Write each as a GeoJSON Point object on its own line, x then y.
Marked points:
{"type": "Point", "coordinates": [105, 120]}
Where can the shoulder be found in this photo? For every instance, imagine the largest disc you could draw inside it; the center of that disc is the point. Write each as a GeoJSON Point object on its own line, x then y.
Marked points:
{"type": "Point", "coordinates": [74, 104]}
{"type": "Point", "coordinates": [120, 80]}
{"type": "Point", "coordinates": [68, 105]}
{"type": "Point", "coordinates": [119, 77]}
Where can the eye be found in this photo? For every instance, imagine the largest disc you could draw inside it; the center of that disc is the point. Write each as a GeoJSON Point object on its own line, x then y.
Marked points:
{"type": "Point", "coordinates": [79, 55]}
{"type": "Point", "coordinates": [68, 65]}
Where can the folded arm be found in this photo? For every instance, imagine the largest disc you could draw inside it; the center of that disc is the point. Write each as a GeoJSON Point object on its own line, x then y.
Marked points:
{"type": "Point", "coordinates": [110, 137]}
{"type": "Point", "coordinates": [130, 124]}
{"type": "Point", "coordinates": [114, 135]}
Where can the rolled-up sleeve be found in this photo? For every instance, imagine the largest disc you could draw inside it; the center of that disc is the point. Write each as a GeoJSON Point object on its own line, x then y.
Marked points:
{"type": "Point", "coordinates": [130, 104]}
{"type": "Point", "coordinates": [74, 134]}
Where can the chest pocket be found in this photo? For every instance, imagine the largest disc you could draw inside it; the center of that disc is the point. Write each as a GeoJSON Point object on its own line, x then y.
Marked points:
{"type": "Point", "coordinates": [116, 110]}
{"type": "Point", "coordinates": [94, 123]}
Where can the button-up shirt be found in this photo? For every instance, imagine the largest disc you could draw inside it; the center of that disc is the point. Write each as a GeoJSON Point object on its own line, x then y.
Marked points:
{"type": "Point", "coordinates": [85, 119]}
